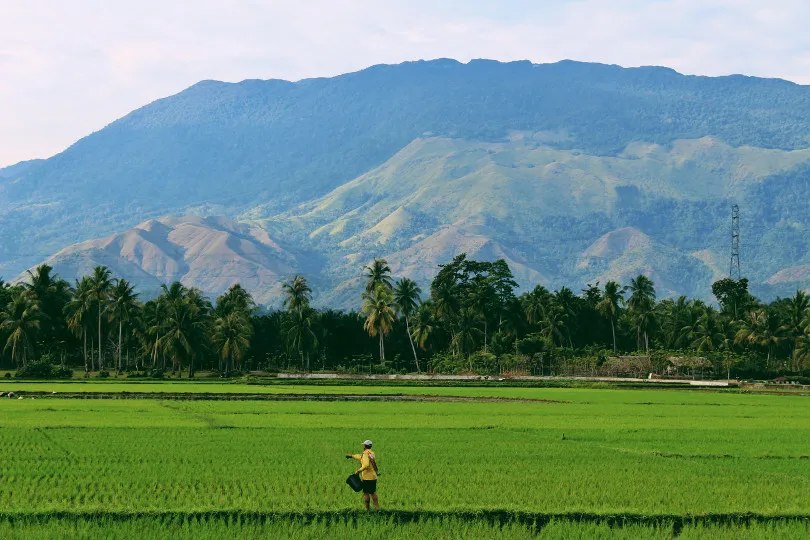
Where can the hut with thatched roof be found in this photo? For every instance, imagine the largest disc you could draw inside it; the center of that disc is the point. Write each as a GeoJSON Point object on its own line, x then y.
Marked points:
{"type": "Point", "coordinates": [688, 366]}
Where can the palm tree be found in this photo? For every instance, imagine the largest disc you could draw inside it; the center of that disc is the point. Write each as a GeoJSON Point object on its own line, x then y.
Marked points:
{"type": "Point", "coordinates": [423, 324]}
{"type": "Point", "coordinates": [380, 314]}
{"type": "Point", "coordinates": [796, 313]}
{"type": "Point", "coordinates": [708, 333]}
{"type": "Point", "coordinates": [184, 326]}
{"type": "Point", "coordinates": [201, 312]}
{"type": "Point", "coordinates": [153, 315]}
{"type": "Point", "coordinates": [406, 298]}
{"type": "Point", "coordinates": [801, 354]}
{"type": "Point", "coordinates": [78, 312]}
{"type": "Point", "coordinates": [378, 273]}
{"type": "Point", "coordinates": [236, 299]}
{"type": "Point", "coordinates": [609, 306]}
{"type": "Point", "coordinates": [100, 284]}
{"type": "Point", "coordinates": [21, 321]}
{"type": "Point", "coordinates": [553, 324]}
{"type": "Point", "coordinates": [298, 293]}
{"type": "Point", "coordinates": [297, 328]}
{"type": "Point", "coordinates": [445, 305]}
{"type": "Point", "coordinates": [464, 337]}
{"type": "Point", "coordinates": [231, 335]}
{"type": "Point", "coordinates": [761, 328]}
{"type": "Point", "coordinates": [483, 299]}
{"type": "Point", "coordinates": [122, 307]}
{"type": "Point", "coordinates": [52, 295]}
{"type": "Point", "coordinates": [640, 304]}
{"type": "Point", "coordinates": [566, 300]}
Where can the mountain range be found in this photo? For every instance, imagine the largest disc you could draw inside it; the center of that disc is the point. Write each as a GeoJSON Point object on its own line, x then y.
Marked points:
{"type": "Point", "coordinates": [572, 172]}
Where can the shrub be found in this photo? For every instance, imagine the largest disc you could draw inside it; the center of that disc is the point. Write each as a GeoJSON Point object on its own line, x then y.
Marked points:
{"type": "Point", "coordinates": [43, 370]}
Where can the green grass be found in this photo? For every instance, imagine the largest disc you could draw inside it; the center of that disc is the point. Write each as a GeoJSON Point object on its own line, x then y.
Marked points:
{"type": "Point", "coordinates": [661, 455]}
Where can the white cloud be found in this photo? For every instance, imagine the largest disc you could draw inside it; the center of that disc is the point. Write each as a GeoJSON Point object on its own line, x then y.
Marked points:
{"type": "Point", "coordinates": [69, 68]}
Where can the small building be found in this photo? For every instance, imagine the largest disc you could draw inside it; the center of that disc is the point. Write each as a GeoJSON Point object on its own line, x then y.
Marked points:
{"type": "Point", "coordinates": [627, 366]}
{"type": "Point", "coordinates": [688, 366]}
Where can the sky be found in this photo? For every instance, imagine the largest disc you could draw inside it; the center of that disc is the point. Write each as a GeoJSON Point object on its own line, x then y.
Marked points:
{"type": "Point", "coordinates": [70, 67]}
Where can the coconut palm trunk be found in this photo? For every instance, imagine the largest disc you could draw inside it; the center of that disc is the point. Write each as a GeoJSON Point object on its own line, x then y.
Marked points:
{"type": "Point", "coordinates": [415, 359]}
{"type": "Point", "coordinates": [120, 333]}
{"type": "Point", "coordinates": [613, 329]}
{"type": "Point", "coordinates": [100, 359]}
{"type": "Point", "coordinates": [86, 367]}
{"type": "Point", "coordinates": [155, 351]}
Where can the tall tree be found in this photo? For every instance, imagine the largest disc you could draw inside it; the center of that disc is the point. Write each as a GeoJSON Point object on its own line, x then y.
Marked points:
{"type": "Point", "coordinates": [78, 312]}
{"type": "Point", "coordinates": [299, 333]}
{"type": "Point", "coordinates": [733, 296]}
{"type": "Point", "coordinates": [566, 300]}
{"type": "Point", "coordinates": [423, 325]}
{"type": "Point", "coordinates": [553, 324]}
{"type": "Point", "coordinates": [380, 315]}
{"type": "Point", "coordinates": [21, 321]}
{"type": "Point", "coordinates": [100, 284]}
{"type": "Point", "coordinates": [464, 338]}
{"type": "Point", "coordinates": [231, 336]}
{"type": "Point", "coordinates": [762, 329]}
{"type": "Point", "coordinates": [378, 273]}
{"type": "Point", "coordinates": [708, 333]}
{"type": "Point", "coordinates": [185, 326]}
{"type": "Point", "coordinates": [483, 300]}
{"type": "Point", "coordinates": [535, 303]}
{"type": "Point", "coordinates": [610, 306]}
{"type": "Point", "coordinates": [795, 312]}
{"type": "Point", "coordinates": [640, 305]}
{"type": "Point", "coordinates": [297, 293]}
{"type": "Point", "coordinates": [235, 300]}
{"type": "Point", "coordinates": [153, 316]}
{"type": "Point", "coordinates": [406, 298]}
{"type": "Point", "coordinates": [123, 306]}
{"type": "Point", "coordinates": [52, 295]}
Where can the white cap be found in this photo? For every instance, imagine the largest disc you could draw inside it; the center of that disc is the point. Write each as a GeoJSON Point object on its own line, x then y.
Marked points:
{"type": "Point", "coordinates": [366, 443]}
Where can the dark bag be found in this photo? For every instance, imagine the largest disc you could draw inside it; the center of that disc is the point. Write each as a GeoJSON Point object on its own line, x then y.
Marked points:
{"type": "Point", "coordinates": [354, 482]}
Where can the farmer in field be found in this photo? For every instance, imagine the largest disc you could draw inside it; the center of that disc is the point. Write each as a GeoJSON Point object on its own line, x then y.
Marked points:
{"type": "Point", "coordinates": [368, 473]}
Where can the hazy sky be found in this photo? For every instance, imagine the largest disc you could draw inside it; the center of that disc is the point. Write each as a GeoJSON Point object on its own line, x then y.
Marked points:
{"type": "Point", "coordinates": [69, 67]}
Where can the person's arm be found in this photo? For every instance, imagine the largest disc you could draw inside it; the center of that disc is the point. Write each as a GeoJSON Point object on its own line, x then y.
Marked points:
{"type": "Point", "coordinates": [364, 464]}
{"type": "Point", "coordinates": [354, 456]}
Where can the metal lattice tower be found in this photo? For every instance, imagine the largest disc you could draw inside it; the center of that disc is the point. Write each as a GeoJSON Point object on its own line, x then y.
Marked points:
{"type": "Point", "coordinates": [734, 268]}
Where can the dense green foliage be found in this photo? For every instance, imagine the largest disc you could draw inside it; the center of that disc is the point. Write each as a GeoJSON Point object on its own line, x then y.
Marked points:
{"type": "Point", "coordinates": [472, 322]}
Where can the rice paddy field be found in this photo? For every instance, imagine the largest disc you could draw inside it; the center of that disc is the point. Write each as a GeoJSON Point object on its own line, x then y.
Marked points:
{"type": "Point", "coordinates": [456, 462]}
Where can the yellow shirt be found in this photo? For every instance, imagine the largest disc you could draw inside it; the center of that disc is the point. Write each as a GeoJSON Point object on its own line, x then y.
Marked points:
{"type": "Point", "coordinates": [366, 470]}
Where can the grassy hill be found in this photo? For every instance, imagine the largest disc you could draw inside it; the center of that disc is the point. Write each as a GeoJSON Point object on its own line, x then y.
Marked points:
{"type": "Point", "coordinates": [559, 217]}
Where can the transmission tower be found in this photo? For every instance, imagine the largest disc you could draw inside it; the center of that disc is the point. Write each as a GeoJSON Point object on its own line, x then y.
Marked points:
{"type": "Point", "coordinates": [734, 268]}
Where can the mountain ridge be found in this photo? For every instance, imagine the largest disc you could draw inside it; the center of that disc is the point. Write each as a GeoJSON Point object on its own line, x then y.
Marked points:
{"type": "Point", "coordinates": [536, 161]}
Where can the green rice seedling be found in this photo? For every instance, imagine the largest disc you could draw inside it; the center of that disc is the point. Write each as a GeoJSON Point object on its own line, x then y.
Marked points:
{"type": "Point", "coordinates": [598, 453]}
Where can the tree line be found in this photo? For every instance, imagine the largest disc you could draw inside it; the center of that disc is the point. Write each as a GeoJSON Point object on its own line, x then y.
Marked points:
{"type": "Point", "coordinates": [472, 319]}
